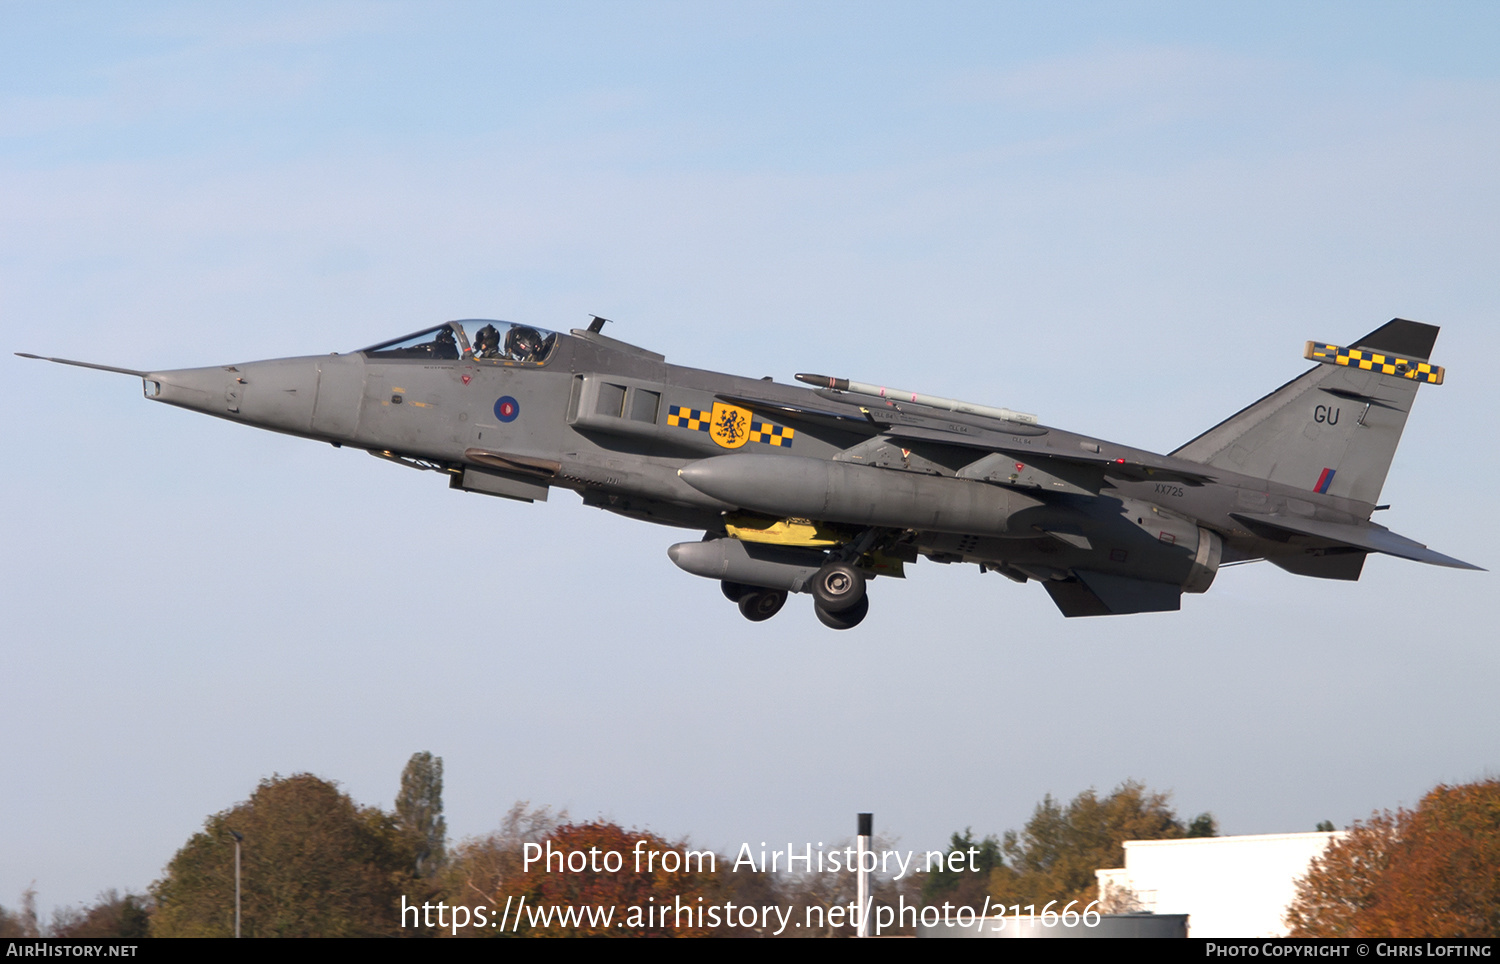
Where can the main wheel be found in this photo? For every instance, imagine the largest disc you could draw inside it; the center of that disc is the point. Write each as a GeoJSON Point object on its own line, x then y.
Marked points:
{"type": "Point", "coordinates": [844, 619]}
{"type": "Point", "coordinates": [838, 587]}
{"type": "Point", "coordinates": [734, 591]}
{"type": "Point", "coordinates": [761, 604]}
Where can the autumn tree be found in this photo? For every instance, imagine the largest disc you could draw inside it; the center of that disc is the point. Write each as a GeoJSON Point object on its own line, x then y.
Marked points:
{"type": "Point", "coordinates": [1055, 856]}
{"type": "Point", "coordinates": [492, 870]}
{"type": "Point", "coordinates": [314, 865]}
{"type": "Point", "coordinates": [110, 916]}
{"type": "Point", "coordinates": [1429, 872]}
{"type": "Point", "coordinates": [419, 813]}
{"type": "Point", "coordinates": [671, 879]}
{"type": "Point", "coordinates": [482, 869]}
{"type": "Point", "coordinates": [23, 922]}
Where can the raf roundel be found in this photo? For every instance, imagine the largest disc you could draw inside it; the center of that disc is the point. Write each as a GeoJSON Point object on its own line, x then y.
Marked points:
{"type": "Point", "coordinates": [507, 408]}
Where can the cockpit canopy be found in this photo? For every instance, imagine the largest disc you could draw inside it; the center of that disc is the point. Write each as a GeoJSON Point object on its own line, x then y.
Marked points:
{"type": "Point", "coordinates": [482, 339]}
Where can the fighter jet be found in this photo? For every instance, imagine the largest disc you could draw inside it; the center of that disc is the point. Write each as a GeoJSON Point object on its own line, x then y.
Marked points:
{"type": "Point", "coordinates": [820, 489]}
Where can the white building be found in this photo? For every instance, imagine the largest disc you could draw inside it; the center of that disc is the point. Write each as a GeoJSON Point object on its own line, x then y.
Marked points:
{"type": "Point", "coordinates": [1228, 886]}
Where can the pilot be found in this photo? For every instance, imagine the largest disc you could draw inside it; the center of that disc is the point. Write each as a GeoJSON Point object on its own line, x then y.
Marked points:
{"type": "Point", "coordinates": [523, 344]}
{"type": "Point", "coordinates": [445, 345]}
{"type": "Point", "coordinates": [487, 343]}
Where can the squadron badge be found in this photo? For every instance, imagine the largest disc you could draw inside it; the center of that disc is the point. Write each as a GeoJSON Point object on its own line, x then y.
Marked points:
{"type": "Point", "coordinates": [729, 425]}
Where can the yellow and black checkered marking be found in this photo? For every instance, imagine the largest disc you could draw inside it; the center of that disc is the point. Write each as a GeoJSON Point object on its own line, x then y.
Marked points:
{"type": "Point", "coordinates": [1374, 361]}
{"type": "Point", "coordinates": [771, 434]}
{"type": "Point", "coordinates": [680, 416]}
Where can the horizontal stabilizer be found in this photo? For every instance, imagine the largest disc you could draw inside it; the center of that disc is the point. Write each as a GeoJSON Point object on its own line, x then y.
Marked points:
{"type": "Point", "coordinates": [1335, 562]}
{"type": "Point", "coordinates": [1367, 536]}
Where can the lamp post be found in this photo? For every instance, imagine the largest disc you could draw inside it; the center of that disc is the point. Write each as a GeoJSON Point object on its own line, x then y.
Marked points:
{"type": "Point", "coordinates": [238, 839]}
{"type": "Point", "coordinates": [866, 831]}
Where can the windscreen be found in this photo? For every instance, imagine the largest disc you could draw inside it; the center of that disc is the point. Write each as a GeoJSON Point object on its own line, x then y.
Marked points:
{"type": "Point", "coordinates": [482, 339]}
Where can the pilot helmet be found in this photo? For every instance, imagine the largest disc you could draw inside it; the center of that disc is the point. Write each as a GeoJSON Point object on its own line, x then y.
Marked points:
{"type": "Point", "coordinates": [523, 343]}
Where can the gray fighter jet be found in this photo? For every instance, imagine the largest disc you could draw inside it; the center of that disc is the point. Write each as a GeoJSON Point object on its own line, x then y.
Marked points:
{"type": "Point", "coordinates": [818, 490]}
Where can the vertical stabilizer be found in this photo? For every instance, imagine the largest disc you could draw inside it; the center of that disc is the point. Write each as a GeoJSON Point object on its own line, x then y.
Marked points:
{"type": "Point", "coordinates": [1333, 429]}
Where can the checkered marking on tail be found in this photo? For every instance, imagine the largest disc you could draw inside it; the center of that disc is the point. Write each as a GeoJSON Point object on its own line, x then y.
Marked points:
{"type": "Point", "coordinates": [1374, 361]}
{"type": "Point", "coordinates": [680, 416]}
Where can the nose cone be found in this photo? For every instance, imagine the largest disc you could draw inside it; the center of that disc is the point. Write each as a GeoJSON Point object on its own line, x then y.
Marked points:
{"type": "Point", "coordinates": [277, 394]}
{"type": "Point", "coordinates": [204, 390]}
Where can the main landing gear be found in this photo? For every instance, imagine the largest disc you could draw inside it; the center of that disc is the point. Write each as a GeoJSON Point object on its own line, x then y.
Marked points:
{"type": "Point", "coordinates": [756, 604]}
{"type": "Point", "coordinates": [838, 587]}
{"type": "Point", "coordinates": [838, 591]}
{"type": "Point", "coordinates": [844, 618]}
{"type": "Point", "coordinates": [839, 598]}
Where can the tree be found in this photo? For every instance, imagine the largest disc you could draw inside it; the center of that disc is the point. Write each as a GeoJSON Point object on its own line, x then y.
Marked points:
{"type": "Point", "coordinates": [1055, 856]}
{"type": "Point", "coordinates": [482, 869]}
{"type": "Point", "coordinates": [314, 865]}
{"type": "Point", "coordinates": [669, 879]}
{"type": "Point", "coordinates": [112, 916]}
{"type": "Point", "coordinates": [419, 813]}
{"type": "Point", "coordinates": [965, 887]}
{"type": "Point", "coordinates": [1203, 825]}
{"type": "Point", "coordinates": [1429, 872]}
{"type": "Point", "coordinates": [22, 923]}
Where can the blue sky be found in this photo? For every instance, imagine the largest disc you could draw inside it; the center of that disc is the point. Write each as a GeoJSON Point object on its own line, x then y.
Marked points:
{"type": "Point", "coordinates": [1124, 217]}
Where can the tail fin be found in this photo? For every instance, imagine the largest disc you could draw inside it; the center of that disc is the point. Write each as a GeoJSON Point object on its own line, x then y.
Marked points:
{"type": "Point", "coordinates": [1333, 429]}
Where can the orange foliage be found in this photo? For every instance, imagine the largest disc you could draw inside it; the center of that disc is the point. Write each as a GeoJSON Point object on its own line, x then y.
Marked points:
{"type": "Point", "coordinates": [650, 886]}
{"type": "Point", "coordinates": [1429, 872]}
